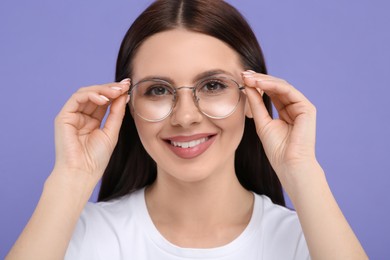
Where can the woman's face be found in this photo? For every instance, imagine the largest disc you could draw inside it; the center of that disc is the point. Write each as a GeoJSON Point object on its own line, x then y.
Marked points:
{"type": "Point", "coordinates": [187, 145]}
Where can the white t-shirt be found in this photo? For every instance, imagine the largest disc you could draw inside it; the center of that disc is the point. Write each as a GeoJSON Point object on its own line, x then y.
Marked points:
{"type": "Point", "coordinates": [123, 229]}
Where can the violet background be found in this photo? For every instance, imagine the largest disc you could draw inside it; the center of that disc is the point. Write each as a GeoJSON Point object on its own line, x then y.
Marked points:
{"type": "Point", "coordinates": [336, 52]}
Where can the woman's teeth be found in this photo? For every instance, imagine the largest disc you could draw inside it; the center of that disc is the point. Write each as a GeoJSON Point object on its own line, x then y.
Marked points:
{"type": "Point", "coordinates": [189, 144]}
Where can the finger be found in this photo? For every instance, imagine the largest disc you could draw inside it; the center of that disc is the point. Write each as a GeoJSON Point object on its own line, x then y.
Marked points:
{"type": "Point", "coordinates": [122, 86]}
{"type": "Point", "coordinates": [288, 101]}
{"type": "Point", "coordinates": [111, 91]}
{"type": "Point", "coordinates": [89, 108]}
{"type": "Point", "coordinates": [259, 111]}
{"type": "Point", "coordinates": [80, 101]}
{"type": "Point", "coordinates": [115, 117]}
{"type": "Point", "coordinates": [99, 111]}
{"type": "Point", "coordinates": [273, 86]}
{"type": "Point", "coordinates": [281, 102]}
{"type": "Point", "coordinates": [87, 99]}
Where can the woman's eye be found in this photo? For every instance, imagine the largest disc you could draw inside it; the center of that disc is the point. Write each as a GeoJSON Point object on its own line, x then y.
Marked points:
{"type": "Point", "coordinates": [158, 90]}
{"type": "Point", "coordinates": [213, 87]}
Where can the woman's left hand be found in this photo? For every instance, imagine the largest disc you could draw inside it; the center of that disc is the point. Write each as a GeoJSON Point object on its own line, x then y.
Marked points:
{"type": "Point", "coordinates": [289, 141]}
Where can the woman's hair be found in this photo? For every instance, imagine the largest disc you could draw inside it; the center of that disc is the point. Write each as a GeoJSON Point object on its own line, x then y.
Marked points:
{"type": "Point", "coordinates": [130, 167]}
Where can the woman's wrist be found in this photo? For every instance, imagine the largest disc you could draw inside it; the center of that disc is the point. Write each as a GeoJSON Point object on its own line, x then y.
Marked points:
{"type": "Point", "coordinates": [72, 184]}
{"type": "Point", "coordinates": [302, 178]}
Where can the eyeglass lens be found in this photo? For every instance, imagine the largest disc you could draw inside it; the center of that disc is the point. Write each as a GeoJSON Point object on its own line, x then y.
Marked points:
{"type": "Point", "coordinates": [154, 100]}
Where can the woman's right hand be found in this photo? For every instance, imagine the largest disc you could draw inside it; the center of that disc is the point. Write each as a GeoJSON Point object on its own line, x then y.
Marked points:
{"type": "Point", "coordinates": [83, 143]}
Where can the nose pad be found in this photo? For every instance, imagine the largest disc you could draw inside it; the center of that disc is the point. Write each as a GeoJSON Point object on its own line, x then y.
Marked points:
{"type": "Point", "coordinates": [186, 111]}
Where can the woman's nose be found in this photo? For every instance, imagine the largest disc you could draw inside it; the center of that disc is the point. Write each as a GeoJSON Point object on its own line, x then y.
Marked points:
{"type": "Point", "coordinates": [186, 112]}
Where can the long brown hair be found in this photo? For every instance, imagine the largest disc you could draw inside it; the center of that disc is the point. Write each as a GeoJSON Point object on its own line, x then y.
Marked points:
{"type": "Point", "coordinates": [130, 167]}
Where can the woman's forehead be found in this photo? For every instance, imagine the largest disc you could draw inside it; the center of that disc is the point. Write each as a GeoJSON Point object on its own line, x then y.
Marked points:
{"type": "Point", "coordinates": [182, 54]}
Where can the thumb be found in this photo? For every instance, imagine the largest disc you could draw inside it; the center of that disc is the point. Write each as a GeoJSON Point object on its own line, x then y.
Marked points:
{"type": "Point", "coordinates": [258, 110]}
{"type": "Point", "coordinates": [115, 117]}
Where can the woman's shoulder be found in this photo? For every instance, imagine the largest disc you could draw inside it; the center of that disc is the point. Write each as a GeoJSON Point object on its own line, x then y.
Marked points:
{"type": "Point", "coordinates": [271, 207]}
{"type": "Point", "coordinates": [117, 208]}
{"type": "Point", "coordinates": [279, 230]}
{"type": "Point", "coordinates": [275, 215]}
{"type": "Point", "coordinates": [104, 225]}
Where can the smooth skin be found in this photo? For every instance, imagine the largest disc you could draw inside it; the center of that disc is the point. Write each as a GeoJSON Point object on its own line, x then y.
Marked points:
{"type": "Point", "coordinates": [83, 149]}
{"type": "Point", "coordinates": [198, 202]}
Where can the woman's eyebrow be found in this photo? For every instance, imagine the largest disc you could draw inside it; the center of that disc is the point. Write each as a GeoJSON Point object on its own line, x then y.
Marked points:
{"type": "Point", "coordinates": [168, 79]}
{"type": "Point", "coordinates": [211, 73]}
{"type": "Point", "coordinates": [200, 76]}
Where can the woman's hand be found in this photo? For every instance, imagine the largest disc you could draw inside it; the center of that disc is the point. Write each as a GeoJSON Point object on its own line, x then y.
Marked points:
{"type": "Point", "coordinates": [289, 144]}
{"type": "Point", "coordinates": [83, 149]}
{"type": "Point", "coordinates": [289, 141]}
{"type": "Point", "coordinates": [82, 144]}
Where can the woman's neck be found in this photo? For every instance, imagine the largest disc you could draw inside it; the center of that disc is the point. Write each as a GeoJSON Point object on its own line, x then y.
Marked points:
{"type": "Point", "coordinates": [206, 213]}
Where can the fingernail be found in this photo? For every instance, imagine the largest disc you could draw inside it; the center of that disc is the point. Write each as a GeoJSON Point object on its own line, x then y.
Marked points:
{"type": "Point", "coordinates": [126, 80]}
{"type": "Point", "coordinates": [104, 98]}
{"type": "Point", "coordinates": [248, 72]}
{"type": "Point", "coordinates": [128, 99]}
{"type": "Point", "coordinates": [116, 88]}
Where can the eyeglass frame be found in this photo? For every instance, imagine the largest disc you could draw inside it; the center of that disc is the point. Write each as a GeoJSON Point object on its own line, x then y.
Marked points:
{"type": "Point", "coordinates": [175, 96]}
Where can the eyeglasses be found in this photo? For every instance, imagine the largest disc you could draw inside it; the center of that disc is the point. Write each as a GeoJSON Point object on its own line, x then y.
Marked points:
{"type": "Point", "coordinates": [154, 99]}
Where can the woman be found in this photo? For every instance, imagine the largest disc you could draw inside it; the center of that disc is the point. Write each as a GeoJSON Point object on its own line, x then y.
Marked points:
{"type": "Point", "coordinates": [185, 165]}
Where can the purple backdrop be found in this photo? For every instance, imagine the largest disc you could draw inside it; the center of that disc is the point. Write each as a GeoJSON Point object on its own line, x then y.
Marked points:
{"type": "Point", "coordinates": [336, 52]}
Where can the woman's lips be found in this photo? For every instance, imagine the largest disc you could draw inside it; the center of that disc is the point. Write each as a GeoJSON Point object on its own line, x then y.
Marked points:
{"type": "Point", "coordinates": [190, 144]}
{"type": "Point", "coordinates": [188, 147]}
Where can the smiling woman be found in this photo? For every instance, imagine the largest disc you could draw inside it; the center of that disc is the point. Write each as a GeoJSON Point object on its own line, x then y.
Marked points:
{"type": "Point", "coordinates": [191, 160]}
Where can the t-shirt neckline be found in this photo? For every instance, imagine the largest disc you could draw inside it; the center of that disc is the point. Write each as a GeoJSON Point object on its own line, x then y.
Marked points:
{"type": "Point", "coordinates": [163, 244]}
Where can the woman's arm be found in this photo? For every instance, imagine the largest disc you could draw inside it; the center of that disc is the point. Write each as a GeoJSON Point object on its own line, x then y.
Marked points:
{"type": "Point", "coordinates": [289, 143]}
{"type": "Point", "coordinates": [49, 230]}
{"type": "Point", "coordinates": [83, 150]}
